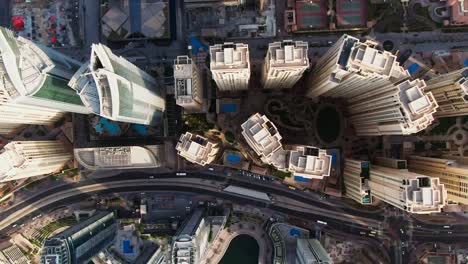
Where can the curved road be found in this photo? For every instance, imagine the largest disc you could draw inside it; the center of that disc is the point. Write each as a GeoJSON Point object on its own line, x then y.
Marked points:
{"type": "Point", "coordinates": [287, 201]}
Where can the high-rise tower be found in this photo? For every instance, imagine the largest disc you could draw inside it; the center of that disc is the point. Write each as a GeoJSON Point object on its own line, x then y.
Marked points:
{"type": "Point", "coordinates": [351, 68]}
{"type": "Point", "coordinates": [412, 192]}
{"type": "Point", "coordinates": [381, 98]}
{"type": "Point", "coordinates": [23, 159]}
{"type": "Point", "coordinates": [285, 63]}
{"type": "Point", "coordinates": [401, 109]}
{"type": "Point", "coordinates": [453, 174]}
{"type": "Point", "coordinates": [33, 83]}
{"type": "Point", "coordinates": [230, 66]}
{"type": "Point", "coordinates": [112, 87]}
{"type": "Point", "coordinates": [451, 93]}
{"type": "Point", "coordinates": [188, 84]}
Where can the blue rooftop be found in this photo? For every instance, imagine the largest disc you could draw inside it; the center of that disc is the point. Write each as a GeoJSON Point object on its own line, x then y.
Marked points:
{"type": "Point", "coordinates": [135, 15]}
{"type": "Point", "coordinates": [301, 179]}
{"type": "Point", "coordinates": [228, 108]}
{"type": "Point", "coordinates": [233, 158]}
{"type": "Point", "coordinates": [413, 68]}
{"type": "Point", "coordinates": [196, 45]}
{"type": "Point", "coordinates": [127, 247]}
{"type": "Point", "coordinates": [465, 63]}
{"type": "Point", "coordinates": [106, 125]}
{"type": "Point", "coordinates": [141, 129]}
{"type": "Point", "coordinates": [294, 232]}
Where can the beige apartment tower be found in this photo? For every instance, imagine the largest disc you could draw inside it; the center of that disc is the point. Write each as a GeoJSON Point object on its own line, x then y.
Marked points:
{"type": "Point", "coordinates": [263, 137]}
{"type": "Point", "coordinates": [451, 93]}
{"type": "Point", "coordinates": [285, 63]}
{"type": "Point", "coordinates": [230, 66]}
{"type": "Point", "coordinates": [309, 162]}
{"type": "Point", "coordinates": [451, 173]}
{"type": "Point", "coordinates": [412, 192]}
{"type": "Point", "coordinates": [381, 98]}
{"type": "Point", "coordinates": [356, 177]}
{"type": "Point", "coordinates": [188, 85]}
{"type": "Point", "coordinates": [196, 149]}
{"type": "Point", "coordinates": [351, 68]}
{"type": "Point", "coordinates": [23, 159]}
{"type": "Point", "coordinates": [398, 110]}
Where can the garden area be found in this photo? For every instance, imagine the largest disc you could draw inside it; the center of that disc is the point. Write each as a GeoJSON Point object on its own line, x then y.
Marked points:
{"type": "Point", "coordinates": [44, 233]}
{"type": "Point", "coordinates": [196, 123]}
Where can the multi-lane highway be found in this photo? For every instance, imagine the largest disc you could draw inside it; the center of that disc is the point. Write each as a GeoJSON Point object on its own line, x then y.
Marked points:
{"type": "Point", "coordinates": [337, 216]}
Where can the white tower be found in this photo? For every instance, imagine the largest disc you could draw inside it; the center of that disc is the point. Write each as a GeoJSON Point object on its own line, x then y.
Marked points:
{"type": "Point", "coordinates": [230, 66]}
{"type": "Point", "coordinates": [112, 87]}
{"type": "Point", "coordinates": [285, 63]}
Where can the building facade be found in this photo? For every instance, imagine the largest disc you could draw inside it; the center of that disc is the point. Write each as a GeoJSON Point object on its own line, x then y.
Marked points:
{"type": "Point", "coordinates": [33, 84]}
{"type": "Point", "coordinates": [451, 93]}
{"type": "Point", "coordinates": [262, 136]}
{"type": "Point", "coordinates": [285, 63]}
{"type": "Point", "coordinates": [350, 68]}
{"type": "Point", "coordinates": [121, 157]}
{"type": "Point", "coordinates": [356, 177]}
{"type": "Point", "coordinates": [196, 149]}
{"type": "Point", "coordinates": [381, 98]}
{"type": "Point", "coordinates": [36, 75]}
{"type": "Point", "coordinates": [412, 192]}
{"type": "Point", "coordinates": [191, 241]}
{"type": "Point", "coordinates": [188, 85]}
{"type": "Point", "coordinates": [310, 251]}
{"type": "Point", "coordinates": [23, 159]}
{"type": "Point", "coordinates": [398, 110]}
{"type": "Point", "coordinates": [451, 173]}
{"type": "Point", "coordinates": [230, 66]}
{"type": "Point", "coordinates": [79, 243]}
{"type": "Point", "coordinates": [112, 87]}
{"type": "Point", "coordinates": [309, 162]}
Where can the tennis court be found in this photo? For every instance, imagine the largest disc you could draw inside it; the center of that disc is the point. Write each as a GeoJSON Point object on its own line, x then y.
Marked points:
{"type": "Point", "coordinates": [351, 13]}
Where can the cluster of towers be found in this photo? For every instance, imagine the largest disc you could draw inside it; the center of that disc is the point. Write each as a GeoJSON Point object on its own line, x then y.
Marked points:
{"type": "Point", "coordinates": [382, 99]}
{"type": "Point", "coordinates": [38, 85]}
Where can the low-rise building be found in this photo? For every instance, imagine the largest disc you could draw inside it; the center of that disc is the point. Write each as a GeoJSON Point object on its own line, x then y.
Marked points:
{"type": "Point", "coordinates": [123, 157]}
{"type": "Point", "coordinates": [80, 242]}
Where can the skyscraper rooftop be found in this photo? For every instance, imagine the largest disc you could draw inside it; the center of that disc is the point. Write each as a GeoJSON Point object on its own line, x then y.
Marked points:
{"type": "Point", "coordinates": [112, 87]}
